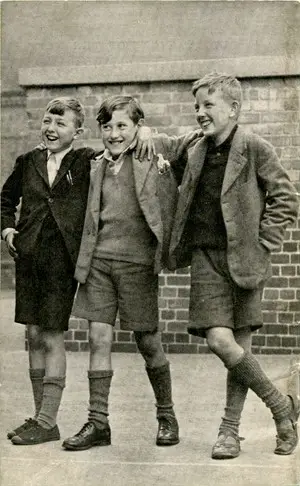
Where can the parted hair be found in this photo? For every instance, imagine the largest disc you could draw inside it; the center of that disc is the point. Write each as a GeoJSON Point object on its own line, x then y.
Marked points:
{"type": "Point", "coordinates": [118, 102]}
{"type": "Point", "coordinates": [58, 106]}
{"type": "Point", "coordinates": [229, 85]}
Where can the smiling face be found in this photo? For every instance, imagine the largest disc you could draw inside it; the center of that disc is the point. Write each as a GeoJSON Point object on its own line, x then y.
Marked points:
{"type": "Point", "coordinates": [215, 114]}
{"type": "Point", "coordinates": [119, 132]}
{"type": "Point", "coordinates": [59, 131]}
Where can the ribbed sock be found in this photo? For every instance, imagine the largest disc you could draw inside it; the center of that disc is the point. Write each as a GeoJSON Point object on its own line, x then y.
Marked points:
{"type": "Point", "coordinates": [160, 379]}
{"type": "Point", "coordinates": [236, 393]}
{"type": "Point", "coordinates": [99, 385]}
{"type": "Point", "coordinates": [248, 371]}
{"type": "Point", "coordinates": [53, 389]}
{"type": "Point", "coordinates": [36, 377]}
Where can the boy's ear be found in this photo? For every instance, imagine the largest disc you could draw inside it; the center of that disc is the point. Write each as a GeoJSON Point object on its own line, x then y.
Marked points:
{"type": "Point", "coordinates": [141, 122]}
{"type": "Point", "coordinates": [235, 108]}
{"type": "Point", "coordinates": [78, 132]}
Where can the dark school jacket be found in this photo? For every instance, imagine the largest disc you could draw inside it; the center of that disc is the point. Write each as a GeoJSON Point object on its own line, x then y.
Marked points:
{"type": "Point", "coordinates": [65, 200]}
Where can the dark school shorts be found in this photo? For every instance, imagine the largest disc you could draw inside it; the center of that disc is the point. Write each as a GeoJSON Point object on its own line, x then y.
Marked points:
{"type": "Point", "coordinates": [45, 286]}
{"type": "Point", "coordinates": [216, 300]}
{"type": "Point", "coordinates": [112, 286]}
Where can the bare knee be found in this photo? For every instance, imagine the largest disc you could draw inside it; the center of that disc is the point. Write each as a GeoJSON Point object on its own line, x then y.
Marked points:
{"type": "Point", "coordinates": [53, 341]}
{"type": "Point", "coordinates": [100, 338]}
{"type": "Point", "coordinates": [221, 341]}
{"type": "Point", "coordinates": [150, 347]}
{"type": "Point", "coordinates": [35, 338]}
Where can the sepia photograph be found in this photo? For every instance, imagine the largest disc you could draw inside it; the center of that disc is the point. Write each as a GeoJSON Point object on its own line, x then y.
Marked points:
{"type": "Point", "coordinates": [150, 243]}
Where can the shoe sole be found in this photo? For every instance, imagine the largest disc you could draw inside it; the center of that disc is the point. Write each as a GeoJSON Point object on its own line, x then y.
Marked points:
{"type": "Point", "coordinates": [84, 448]}
{"type": "Point", "coordinates": [224, 456]}
{"type": "Point", "coordinates": [35, 443]}
{"type": "Point", "coordinates": [167, 443]}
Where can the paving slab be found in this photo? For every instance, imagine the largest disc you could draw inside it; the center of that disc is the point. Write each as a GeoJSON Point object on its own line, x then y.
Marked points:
{"type": "Point", "coordinates": [133, 459]}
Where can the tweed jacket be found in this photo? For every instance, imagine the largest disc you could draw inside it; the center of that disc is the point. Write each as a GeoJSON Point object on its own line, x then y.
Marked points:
{"type": "Point", "coordinates": [65, 200]}
{"type": "Point", "coordinates": [258, 201]}
{"type": "Point", "coordinates": [157, 196]}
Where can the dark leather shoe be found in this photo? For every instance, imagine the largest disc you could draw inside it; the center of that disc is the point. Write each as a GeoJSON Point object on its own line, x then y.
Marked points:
{"type": "Point", "coordinates": [88, 436]}
{"type": "Point", "coordinates": [26, 425]}
{"type": "Point", "coordinates": [36, 434]}
{"type": "Point", "coordinates": [287, 434]}
{"type": "Point", "coordinates": [226, 447]}
{"type": "Point", "coordinates": [168, 431]}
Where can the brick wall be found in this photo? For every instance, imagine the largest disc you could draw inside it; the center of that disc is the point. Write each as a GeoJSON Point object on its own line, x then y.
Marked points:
{"type": "Point", "coordinates": [270, 108]}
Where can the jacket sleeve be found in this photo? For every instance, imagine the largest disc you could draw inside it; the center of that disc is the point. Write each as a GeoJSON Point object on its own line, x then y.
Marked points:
{"type": "Point", "coordinates": [175, 150]}
{"type": "Point", "coordinates": [281, 205]}
{"type": "Point", "coordinates": [11, 195]}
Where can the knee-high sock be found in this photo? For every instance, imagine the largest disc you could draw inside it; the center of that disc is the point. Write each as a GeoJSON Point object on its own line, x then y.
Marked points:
{"type": "Point", "coordinates": [52, 393]}
{"type": "Point", "coordinates": [36, 377]}
{"type": "Point", "coordinates": [160, 379]}
{"type": "Point", "coordinates": [248, 371]}
{"type": "Point", "coordinates": [99, 386]}
{"type": "Point", "coordinates": [236, 393]}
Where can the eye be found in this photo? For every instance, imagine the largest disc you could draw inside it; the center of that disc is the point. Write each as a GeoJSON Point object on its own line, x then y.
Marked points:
{"type": "Point", "coordinates": [208, 105]}
{"type": "Point", "coordinates": [61, 124]}
{"type": "Point", "coordinates": [196, 107]}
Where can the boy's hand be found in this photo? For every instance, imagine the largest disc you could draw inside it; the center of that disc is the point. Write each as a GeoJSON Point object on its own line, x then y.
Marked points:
{"type": "Point", "coordinates": [40, 146]}
{"type": "Point", "coordinates": [144, 144]}
{"type": "Point", "coordinates": [9, 240]}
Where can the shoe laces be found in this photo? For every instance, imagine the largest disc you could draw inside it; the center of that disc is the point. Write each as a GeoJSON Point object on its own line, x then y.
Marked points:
{"type": "Point", "coordinates": [84, 429]}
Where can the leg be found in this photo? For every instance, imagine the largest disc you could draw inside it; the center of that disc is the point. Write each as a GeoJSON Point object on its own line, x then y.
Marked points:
{"type": "Point", "coordinates": [158, 370]}
{"type": "Point", "coordinates": [96, 431]}
{"type": "Point", "coordinates": [36, 356]}
{"type": "Point", "coordinates": [45, 428]}
{"type": "Point", "coordinates": [227, 445]}
{"type": "Point", "coordinates": [246, 370]}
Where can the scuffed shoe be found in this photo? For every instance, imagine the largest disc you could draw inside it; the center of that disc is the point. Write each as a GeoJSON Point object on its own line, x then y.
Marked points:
{"type": "Point", "coordinates": [168, 430]}
{"type": "Point", "coordinates": [26, 425]}
{"type": "Point", "coordinates": [287, 434]}
{"type": "Point", "coordinates": [226, 447]}
{"type": "Point", "coordinates": [36, 434]}
{"type": "Point", "coordinates": [88, 436]}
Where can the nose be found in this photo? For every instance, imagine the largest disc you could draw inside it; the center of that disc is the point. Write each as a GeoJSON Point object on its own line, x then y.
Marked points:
{"type": "Point", "coordinates": [114, 133]}
{"type": "Point", "coordinates": [50, 127]}
{"type": "Point", "coordinates": [200, 112]}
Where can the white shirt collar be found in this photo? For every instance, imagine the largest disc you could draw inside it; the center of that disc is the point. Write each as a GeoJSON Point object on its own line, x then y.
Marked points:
{"type": "Point", "coordinates": [59, 155]}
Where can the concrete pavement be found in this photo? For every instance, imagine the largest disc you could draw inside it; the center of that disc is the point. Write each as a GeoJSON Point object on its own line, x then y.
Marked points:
{"type": "Point", "coordinates": [133, 459]}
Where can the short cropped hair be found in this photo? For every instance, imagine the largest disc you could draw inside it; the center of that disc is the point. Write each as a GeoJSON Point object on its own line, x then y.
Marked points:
{"type": "Point", "coordinates": [229, 85]}
{"type": "Point", "coordinates": [58, 106]}
{"type": "Point", "coordinates": [118, 102]}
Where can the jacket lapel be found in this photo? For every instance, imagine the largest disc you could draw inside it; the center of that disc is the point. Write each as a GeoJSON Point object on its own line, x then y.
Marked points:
{"type": "Point", "coordinates": [196, 159]}
{"type": "Point", "coordinates": [236, 160]}
{"type": "Point", "coordinates": [96, 179]}
{"type": "Point", "coordinates": [140, 171]}
{"type": "Point", "coordinates": [40, 163]}
{"type": "Point", "coordinates": [64, 167]}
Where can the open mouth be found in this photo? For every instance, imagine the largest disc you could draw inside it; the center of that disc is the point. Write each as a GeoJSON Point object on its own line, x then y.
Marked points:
{"type": "Point", "coordinates": [205, 123]}
{"type": "Point", "coordinates": [51, 138]}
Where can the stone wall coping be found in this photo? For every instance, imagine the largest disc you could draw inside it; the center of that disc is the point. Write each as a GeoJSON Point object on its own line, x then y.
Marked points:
{"type": "Point", "coordinates": [242, 67]}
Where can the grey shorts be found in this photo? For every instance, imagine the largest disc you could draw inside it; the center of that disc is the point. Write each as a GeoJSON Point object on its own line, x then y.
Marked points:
{"type": "Point", "coordinates": [116, 286]}
{"type": "Point", "coordinates": [216, 300]}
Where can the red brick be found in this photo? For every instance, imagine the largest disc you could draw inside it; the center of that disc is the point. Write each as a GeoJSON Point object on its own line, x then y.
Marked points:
{"type": "Point", "coordinates": [294, 282]}
{"type": "Point", "coordinates": [81, 335]}
{"type": "Point", "coordinates": [168, 314]}
{"type": "Point", "coordinates": [123, 336]}
{"type": "Point", "coordinates": [285, 317]}
{"type": "Point", "coordinates": [275, 305]}
{"type": "Point", "coordinates": [271, 294]}
{"type": "Point", "coordinates": [182, 315]}
{"type": "Point", "coordinates": [294, 306]}
{"type": "Point", "coordinates": [168, 337]}
{"type": "Point", "coordinates": [288, 342]}
{"type": "Point", "coordinates": [290, 247]}
{"type": "Point", "coordinates": [288, 270]}
{"type": "Point", "coordinates": [72, 345]}
{"type": "Point", "coordinates": [184, 292]}
{"type": "Point", "coordinates": [279, 350]}
{"type": "Point", "coordinates": [258, 340]}
{"type": "Point", "coordinates": [84, 346]}
{"type": "Point", "coordinates": [280, 258]}
{"type": "Point", "coordinates": [279, 282]}
{"type": "Point", "coordinates": [287, 294]}
{"type": "Point", "coordinates": [276, 329]}
{"type": "Point", "coordinates": [178, 280]}
{"type": "Point", "coordinates": [182, 338]}
{"type": "Point", "coordinates": [178, 303]}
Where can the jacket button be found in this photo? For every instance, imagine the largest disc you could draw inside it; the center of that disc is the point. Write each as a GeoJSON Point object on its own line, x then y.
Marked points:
{"type": "Point", "coordinates": [50, 200]}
